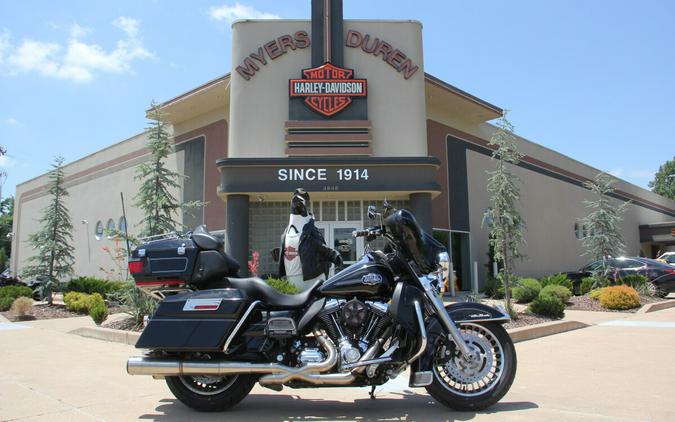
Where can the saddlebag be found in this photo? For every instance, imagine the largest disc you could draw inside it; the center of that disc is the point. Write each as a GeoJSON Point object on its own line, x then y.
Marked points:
{"type": "Point", "coordinates": [194, 321]}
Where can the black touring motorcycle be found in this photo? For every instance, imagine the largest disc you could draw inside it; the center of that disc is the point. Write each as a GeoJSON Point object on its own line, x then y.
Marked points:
{"type": "Point", "coordinates": [215, 335]}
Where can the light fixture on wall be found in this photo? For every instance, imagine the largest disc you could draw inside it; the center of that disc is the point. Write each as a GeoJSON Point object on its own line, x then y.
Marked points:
{"type": "Point", "coordinates": [86, 223]}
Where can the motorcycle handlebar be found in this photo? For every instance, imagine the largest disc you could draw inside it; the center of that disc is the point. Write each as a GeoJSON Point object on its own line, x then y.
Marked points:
{"type": "Point", "coordinates": [369, 232]}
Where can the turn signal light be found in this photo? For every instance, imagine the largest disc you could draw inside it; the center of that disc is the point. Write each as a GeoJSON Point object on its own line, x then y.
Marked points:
{"type": "Point", "coordinates": [135, 267]}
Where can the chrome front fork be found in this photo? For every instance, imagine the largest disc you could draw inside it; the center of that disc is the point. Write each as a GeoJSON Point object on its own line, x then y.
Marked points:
{"type": "Point", "coordinates": [467, 351]}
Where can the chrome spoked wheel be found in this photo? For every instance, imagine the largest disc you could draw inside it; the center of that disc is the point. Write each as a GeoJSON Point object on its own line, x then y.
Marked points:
{"type": "Point", "coordinates": [207, 386]}
{"type": "Point", "coordinates": [471, 378]}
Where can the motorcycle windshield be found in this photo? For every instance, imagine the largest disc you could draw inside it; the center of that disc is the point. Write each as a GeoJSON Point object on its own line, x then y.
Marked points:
{"type": "Point", "coordinates": [408, 234]}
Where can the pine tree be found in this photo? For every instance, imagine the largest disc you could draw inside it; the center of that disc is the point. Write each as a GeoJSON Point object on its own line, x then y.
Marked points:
{"type": "Point", "coordinates": [54, 259]}
{"type": "Point", "coordinates": [154, 197]}
{"type": "Point", "coordinates": [506, 224]}
{"type": "Point", "coordinates": [603, 238]}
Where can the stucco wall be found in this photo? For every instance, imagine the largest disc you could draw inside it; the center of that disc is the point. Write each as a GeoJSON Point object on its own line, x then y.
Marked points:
{"type": "Point", "coordinates": [550, 207]}
{"type": "Point", "coordinates": [259, 106]}
{"type": "Point", "coordinates": [93, 197]}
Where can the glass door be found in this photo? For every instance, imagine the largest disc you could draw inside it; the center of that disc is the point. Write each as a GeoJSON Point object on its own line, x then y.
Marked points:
{"type": "Point", "coordinates": [338, 235]}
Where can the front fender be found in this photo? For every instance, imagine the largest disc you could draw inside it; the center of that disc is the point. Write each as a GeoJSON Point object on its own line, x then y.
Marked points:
{"type": "Point", "coordinates": [475, 312]}
{"type": "Point", "coordinates": [459, 312]}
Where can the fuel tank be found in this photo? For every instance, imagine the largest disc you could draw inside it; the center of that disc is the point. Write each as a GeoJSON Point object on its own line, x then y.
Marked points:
{"type": "Point", "coordinates": [369, 277]}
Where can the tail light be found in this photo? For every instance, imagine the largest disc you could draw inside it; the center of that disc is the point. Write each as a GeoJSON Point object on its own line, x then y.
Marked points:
{"type": "Point", "coordinates": [135, 267]}
{"type": "Point", "coordinates": [670, 270]}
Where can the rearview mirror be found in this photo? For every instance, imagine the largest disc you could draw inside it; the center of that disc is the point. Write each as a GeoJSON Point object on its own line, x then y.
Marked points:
{"type": "Point", "coordinates": [372, 212]}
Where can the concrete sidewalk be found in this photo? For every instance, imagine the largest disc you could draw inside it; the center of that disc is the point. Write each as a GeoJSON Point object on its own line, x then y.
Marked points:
{"type": "Point", "coordinates": [608, 373]}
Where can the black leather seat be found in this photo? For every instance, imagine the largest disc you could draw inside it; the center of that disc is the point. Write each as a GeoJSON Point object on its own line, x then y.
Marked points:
{"type": "Point", "coordinates": [206, 240]}
{"type": "Point", "coordinates": [257, 289]}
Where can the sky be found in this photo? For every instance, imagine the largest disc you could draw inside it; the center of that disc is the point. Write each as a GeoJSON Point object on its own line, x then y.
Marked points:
{"type": "Point", "coordinates": [594, 80]}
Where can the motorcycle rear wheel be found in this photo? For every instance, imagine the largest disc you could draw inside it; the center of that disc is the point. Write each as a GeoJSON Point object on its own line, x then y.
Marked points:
{"type": "Point", "coordinates": [211, 394]}
{"type": "Point", "coordinates": [471, 386]}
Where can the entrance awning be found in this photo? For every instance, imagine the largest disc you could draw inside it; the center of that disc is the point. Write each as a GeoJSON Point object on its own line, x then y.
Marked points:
{"type": "Point", "coordinates": [663, 233]}
{"type": "Point", "coordinates": [329, 174]}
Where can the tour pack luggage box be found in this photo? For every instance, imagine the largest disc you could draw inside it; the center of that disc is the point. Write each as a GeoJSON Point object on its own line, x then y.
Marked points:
{"type": "Point", "coordinates": [194, 321]}
{"type": "Point", "coordinates": [164, 262]}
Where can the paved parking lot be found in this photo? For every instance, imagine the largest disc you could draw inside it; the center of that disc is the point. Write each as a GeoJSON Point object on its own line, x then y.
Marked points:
{"type": "Point", "coordinates": [621, 370]}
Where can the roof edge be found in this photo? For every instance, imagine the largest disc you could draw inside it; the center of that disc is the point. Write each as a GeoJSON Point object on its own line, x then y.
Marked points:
{"type": "Point", "coordinates": [201, 87]}
{"type": "Point", "coordinates": [453, 89]}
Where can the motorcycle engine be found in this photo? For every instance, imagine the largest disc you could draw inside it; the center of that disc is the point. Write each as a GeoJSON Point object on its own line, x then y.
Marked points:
{"type": "Point", "coordinates": [353, 325]}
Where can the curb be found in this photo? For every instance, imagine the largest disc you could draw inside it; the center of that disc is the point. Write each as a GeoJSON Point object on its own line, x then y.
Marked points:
{"type": "Point", "coordinates": [542, 330]}
{"type": "Point", "coordinates": [108, 334]}
{"type": "Point", "coordinates": [656, 306]}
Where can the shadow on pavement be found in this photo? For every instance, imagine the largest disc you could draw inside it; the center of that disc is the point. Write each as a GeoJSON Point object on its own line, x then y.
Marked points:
{"type": "Point", "coordinates": [264, 408]}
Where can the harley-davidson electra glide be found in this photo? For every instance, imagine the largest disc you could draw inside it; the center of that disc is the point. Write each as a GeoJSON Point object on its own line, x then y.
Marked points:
{"type": "Point", "coordinates": [215, 335]}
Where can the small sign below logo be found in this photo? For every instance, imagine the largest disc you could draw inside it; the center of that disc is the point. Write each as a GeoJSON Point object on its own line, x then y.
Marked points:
{"type": "Point", "coordinates": [328, 89]}
{"type": "Point", "coordinates": [371, 279]}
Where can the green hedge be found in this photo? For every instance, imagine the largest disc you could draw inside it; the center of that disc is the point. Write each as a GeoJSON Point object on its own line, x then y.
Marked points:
{"type": "Point", "coordinates": [92, 304]}
{"type": "Point", "coordinates": [561, 292]}
{"type": "Point", "coordinates": [282, 286]}
{"type": "Point", "coordinates": [557, 280]}
{"type": "Point", "coordinates": [5, 303]}
{"type": "Point", "coordinates": [636, 281]}
{"type": "Point", "coordinates": [548, 305]}
{"type": "Point", "coordinates": [586, 285]}
{"type": "Point", "coordinates": [526, 290]}
{"type": "Point", "coordinates": [91, 285]}
{"type": "Point", "coordinates": [16, 291]}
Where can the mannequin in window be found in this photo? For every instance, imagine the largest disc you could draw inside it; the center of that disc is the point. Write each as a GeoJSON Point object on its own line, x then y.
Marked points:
{"type": "Point", "coordinates": [304, 257]}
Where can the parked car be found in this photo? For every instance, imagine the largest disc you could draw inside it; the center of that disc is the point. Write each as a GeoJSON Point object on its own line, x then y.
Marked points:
{"type": "Point", "coordinates": [668, 258]}
{"type": "Point", "coordinates": [8, 278]}
{"type": "Point", "coordinates": [661, 276]}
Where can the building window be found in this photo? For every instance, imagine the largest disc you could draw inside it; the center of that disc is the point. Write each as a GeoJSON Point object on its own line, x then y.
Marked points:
{"type": "Point", "coordinates": [122, 225]}
{"type": "Point", "coordinates": [577, 231]}
{"type": "Point", "coordinates": [98, 230]}
{"type": "Point", "coordinates": [110, 228]}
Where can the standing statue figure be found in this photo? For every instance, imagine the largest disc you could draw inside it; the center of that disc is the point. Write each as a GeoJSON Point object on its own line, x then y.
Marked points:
{"type": "Point", "coordinates": [304, 257]}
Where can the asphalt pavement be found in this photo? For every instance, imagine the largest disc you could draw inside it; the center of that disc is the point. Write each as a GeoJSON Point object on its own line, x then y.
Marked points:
{"type": "Point", "coordinates": [619, 370]}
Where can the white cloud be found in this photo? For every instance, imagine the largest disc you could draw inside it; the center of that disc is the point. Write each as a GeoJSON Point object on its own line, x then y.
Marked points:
{"type": "Point", "coordinates": [128, 25]}
{"type": "Point", "coordinates": [4, 44]}
{"type": "Point", "coordinates": [617, 172]}
{"type": "Point", "coordinates": [238, 11]}
{"type": "Point", "coordinates": [6, 162]}
{"type": "Point", "coordinates": [77, 31]}
{"type": "Point", "coordinates": [77, 60]}
{"type": "Point", "coordinates": [642, 174]}
{"type": "Point", "coordinates": [11, 121]}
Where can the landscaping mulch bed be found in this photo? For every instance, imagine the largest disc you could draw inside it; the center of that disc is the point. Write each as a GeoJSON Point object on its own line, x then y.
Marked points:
{"type": "Point", "coordinates": [44, 311]}
{"type": "Point", "coordinates": [585, 303]}
{"type": "Point", "coordinates": [41, 311]}
{"type": "Point", "coordinates": [525, 319]}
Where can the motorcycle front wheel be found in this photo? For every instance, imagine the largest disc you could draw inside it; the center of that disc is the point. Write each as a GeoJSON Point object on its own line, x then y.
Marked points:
{"type": "Point", "coordinates": [211, 394]}
{"type": "Point", "coordinates": [474, 385]}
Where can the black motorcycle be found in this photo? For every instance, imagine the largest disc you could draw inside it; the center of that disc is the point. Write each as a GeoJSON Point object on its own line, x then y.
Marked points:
{"type": "Point", "coordinates": [215, 335]}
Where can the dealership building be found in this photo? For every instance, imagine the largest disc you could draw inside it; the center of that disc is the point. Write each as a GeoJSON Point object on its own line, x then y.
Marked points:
{"type": "Point", "coordinates": [346, 110]}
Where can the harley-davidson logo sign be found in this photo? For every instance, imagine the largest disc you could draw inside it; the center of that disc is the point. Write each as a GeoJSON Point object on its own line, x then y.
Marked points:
{"type": "Point", "coordinates": [328, 89]}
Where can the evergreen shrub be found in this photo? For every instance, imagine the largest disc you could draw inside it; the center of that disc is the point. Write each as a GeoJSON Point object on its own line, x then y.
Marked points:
{"type": "Point", "coordinates": [619, 297]}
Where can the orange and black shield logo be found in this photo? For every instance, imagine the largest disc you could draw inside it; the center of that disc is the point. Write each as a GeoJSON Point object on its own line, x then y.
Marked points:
{"type": "Point", "coordinates": [328, 89]}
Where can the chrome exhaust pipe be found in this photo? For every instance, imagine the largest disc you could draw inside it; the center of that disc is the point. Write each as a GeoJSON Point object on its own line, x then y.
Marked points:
{"type": "Point", "coordinates": [273, 373]}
